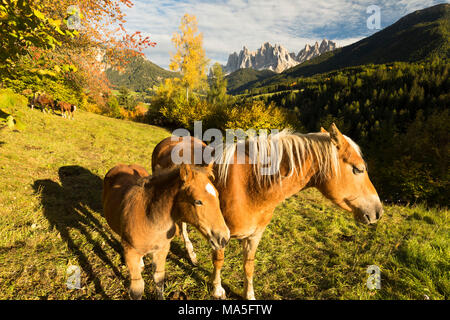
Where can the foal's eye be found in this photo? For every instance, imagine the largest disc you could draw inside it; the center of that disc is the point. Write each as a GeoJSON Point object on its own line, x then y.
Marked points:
{"type": "Point", "coordinates": [198, 202]}
{"type": "Point", "coordinates": [357, 170]}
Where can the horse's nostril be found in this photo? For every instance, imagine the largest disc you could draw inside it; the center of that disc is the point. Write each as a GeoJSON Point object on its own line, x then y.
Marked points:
{"type": "Point", "coordinates": [379, 213]}
{"type": "Point", "coordinates": [366, 216]}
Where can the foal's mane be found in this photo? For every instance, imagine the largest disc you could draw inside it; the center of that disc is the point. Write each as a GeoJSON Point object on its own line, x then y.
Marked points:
{"type": "Point", "coordinates": [142, 191]}
{"type": "Point", "coordinates": [294, 147]}
{"type": "Point", "coordinates": [165, 175]}
{"type": "Point", "coordinates": [145, 188]}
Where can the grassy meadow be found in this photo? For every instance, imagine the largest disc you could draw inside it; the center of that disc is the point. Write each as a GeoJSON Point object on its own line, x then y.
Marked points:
{"type": "Point", "coordinates": [51, 217]}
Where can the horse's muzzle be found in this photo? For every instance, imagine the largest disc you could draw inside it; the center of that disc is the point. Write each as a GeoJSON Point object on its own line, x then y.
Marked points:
{"type": "Point", "coordinates": [372, 216]}
{"type": "Point", "coordinates": [219, 240]}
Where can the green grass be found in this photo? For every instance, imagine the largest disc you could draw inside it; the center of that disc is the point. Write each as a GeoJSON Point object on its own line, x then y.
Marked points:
{"type": "Point", "coordinates": [51, 217]}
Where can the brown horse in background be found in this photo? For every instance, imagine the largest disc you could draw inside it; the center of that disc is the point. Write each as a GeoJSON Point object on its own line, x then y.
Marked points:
{"type": "Point", "coordinates": [330, 162]}
{"type": "Point", "coordinates": [143, 210]}
{"type": "Point", "coordinates": [42, 100]}
{"type": "Point", "coordinates": [67, 109]}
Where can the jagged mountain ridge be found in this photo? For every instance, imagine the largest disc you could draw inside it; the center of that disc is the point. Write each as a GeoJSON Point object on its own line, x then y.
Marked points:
{"type": "Point", "coordinates": [419, 36]}
{"type": "Point", "coordinates": [275, 58]}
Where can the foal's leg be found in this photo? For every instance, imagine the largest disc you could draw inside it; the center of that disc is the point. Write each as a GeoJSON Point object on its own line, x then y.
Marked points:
{"type": "Point", "coordinates": [159, 260]}
{"type": "Point", "coordinates": [249, 246]}
{"type": "Point", "coordinates": [133, 260]}
{"type": "Point", "coordinates": [188, 244]}
{"type": "Point", "coordinates": [218, 290]}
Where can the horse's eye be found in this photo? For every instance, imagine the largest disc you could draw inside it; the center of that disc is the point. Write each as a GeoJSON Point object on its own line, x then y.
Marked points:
{"type": "Point", "coordinates": [198, 202]}
{"type": "Point", "coordinates": [357, 170]}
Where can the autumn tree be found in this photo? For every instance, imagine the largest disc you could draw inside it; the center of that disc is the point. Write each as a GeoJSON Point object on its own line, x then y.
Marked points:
{"type": "Point", "coordinates": [23, 25]}
{"type": "Point", "coordinates": [88, 34]}
{"type": "Point", "coordinates": [102, 40]}
{"type": "Point", "coordinates": [189, 59]}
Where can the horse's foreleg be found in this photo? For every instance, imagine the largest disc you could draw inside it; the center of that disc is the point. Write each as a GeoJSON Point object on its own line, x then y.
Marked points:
{"type": "Point", "coordinates": [218, 257]}
{"type": "Point", "coordinates": [188, 244]}
{"type": "Point", "coordinates": [133, 260]}
{"type": "Point", "coordinates": [159, 261]}
{"type": "Point", "coordinates": [249, 246]}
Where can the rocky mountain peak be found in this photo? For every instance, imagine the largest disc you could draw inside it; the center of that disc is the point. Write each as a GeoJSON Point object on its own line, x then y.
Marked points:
{"type": "Point", "coordinates": [276, 58]}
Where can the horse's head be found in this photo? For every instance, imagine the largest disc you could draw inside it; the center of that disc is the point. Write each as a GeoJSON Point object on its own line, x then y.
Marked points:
{"type": "Point", "coordinates": [351, 188]}
{"type": "Point", "coordinates": [198, 204]}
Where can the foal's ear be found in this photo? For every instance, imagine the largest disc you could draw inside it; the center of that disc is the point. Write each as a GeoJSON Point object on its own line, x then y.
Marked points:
{"type": "Point", "coordinates": [336, 136]}
{"type": "Point", "coordinates": [210, 171]}
{"type": "Point", "coordinates": [185, 173]}
{"type": "Point", "coordinates": [323, 130]}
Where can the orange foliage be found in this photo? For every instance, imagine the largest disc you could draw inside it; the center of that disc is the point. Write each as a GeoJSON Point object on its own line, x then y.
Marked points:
{"type": "Point", "coordinates": [101, 39]}
{"type": "Point", "coordinates": [137, 115]}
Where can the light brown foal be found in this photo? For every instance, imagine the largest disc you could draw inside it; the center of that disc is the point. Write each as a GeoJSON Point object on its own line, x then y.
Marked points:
{"type": "Point", "coordinates": [328, 161]}
{"type": "Point", "coordinates": [144, 210]}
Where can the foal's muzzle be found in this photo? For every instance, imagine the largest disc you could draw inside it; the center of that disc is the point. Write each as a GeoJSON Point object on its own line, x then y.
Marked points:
{"type": "Point", "coordinates": [219, 240]}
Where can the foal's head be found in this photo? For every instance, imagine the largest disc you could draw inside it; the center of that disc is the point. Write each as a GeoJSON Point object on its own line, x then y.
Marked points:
{"type": "Point", "coordinates": [198, 204]}
{"type": "Point", "coordinates": [351, 187]}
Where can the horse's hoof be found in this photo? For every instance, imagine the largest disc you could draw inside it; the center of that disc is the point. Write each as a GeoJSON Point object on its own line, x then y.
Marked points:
{"type": "Point", "coordinates": [219, 293]}
{"type": "Point", "coordinates": [135, 295]}
{"type": "Point", "coordinates": [136, 289]}
{"type": "Point", "coordinates": [193, 260]}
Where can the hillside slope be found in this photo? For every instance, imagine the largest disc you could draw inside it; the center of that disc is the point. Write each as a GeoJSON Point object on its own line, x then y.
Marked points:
{"type": "Point", "coordinates": [51, 217]}
{"type": "Point", "coordinates": [140, 74]}
{"type": "Point", "coordinates": [242, 79]}
{"type": "Point", "coordinates": [417, 36]}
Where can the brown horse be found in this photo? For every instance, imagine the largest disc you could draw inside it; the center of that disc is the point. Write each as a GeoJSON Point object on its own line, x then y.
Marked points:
{"type": "Point", "coordinates": [67, 109]}
{"type": "Point", "coordinates": [42, 100]}
{"type": "Point", "coordinates": [143, 210]}
{"type": "Point", "coordinates": [331, 162]}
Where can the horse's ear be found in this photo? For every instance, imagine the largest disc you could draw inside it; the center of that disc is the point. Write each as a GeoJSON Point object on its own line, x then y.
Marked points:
{"type": "Point", "coordinates": [210, 170]}
{"type": "Point", "coordinates": [323, 130]}
{"type": "Point", "coordinates": [336, 136]}
{"type": "Point", "coordinates": [185, 173]}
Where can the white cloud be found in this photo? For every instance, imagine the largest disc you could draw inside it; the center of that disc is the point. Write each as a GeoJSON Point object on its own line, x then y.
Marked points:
{"type": "Point", "coordinates": [228, 25]}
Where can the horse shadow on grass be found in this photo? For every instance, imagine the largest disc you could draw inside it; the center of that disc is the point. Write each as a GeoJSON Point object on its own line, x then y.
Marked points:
{"type": "Point", "coordinates": [68, 207]}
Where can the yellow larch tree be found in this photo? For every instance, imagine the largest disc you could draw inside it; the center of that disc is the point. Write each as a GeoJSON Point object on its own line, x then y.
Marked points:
{"type": "Point", "coordinates": [190, 59]}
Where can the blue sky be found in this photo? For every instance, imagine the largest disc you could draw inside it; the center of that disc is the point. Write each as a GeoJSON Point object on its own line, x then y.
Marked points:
{"type": "Point", "coordinates": [228, 25]}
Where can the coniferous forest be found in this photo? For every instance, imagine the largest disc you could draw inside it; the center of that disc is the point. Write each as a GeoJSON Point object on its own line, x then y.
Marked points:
{"type": "Point", "coordinates": [397, 112]}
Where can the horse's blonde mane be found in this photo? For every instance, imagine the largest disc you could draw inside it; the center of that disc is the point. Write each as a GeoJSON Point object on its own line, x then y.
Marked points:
{"type": "Point", "coordinates": [297, 147]}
